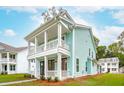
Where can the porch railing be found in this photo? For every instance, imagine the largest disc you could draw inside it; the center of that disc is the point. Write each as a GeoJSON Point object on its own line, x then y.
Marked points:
{"type": "Point", "coordinates": [40, 48]}
{"type": "Point", "coordinates": [32, 50]}
{"type": "Point", "coordinates": [50, 45]}
{"type": "Point", "coordinates": [6, 60]}
{"type": "Point", "coordinates": [53, 73]}
{"type": "Point", "coordinates": [64, 73]}
{"type": "Point", "coordinates": [64, 45]}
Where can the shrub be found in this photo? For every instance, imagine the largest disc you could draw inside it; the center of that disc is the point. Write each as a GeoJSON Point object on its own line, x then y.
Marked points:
{"type": "Point", "coordinates": [32, 76]}
{"type": "Point", "coordinates": [49, 79]}
{"type": "Point", "coordinates": [56, 79]}
{"type": "Point", "coordinates": [2, 73]}
{"type": "Point", "coordinates": [42, 77]}
{"type": "Point", "coordinates": [27, 75]}
{"type": "Point", "coordinates": [5, 73]}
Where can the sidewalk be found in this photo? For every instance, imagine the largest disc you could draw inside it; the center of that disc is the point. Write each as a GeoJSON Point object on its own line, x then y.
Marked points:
{"type": "Point", "coordinates": [15, 82]}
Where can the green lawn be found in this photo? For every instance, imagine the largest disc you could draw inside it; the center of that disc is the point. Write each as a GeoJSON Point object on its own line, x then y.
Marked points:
{"type": "Point", "coordinates": [12, 77]}
{"type": "Point", "coordinates": [98, 80]}
{"type": "Point", "coordinates": [101, 80]}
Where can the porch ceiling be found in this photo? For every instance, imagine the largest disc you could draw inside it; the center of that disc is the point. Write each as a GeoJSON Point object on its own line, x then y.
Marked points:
{"type": "Point", "coordinates": [53, 56]}
{"type": "Point", "coordinates": [52, 33]}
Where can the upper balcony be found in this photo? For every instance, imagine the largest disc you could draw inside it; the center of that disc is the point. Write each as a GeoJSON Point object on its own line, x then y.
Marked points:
{"type": "Point", "coordinates": [5, 60]}
{"type": "Point", "coordinates": [49, 41]}
{"type": "Point", "coordinates": [7, 57]}
{"type": "Point", "coordinates": [53, 44]}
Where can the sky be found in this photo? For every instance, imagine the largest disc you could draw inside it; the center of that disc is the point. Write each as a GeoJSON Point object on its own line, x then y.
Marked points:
{"type": "Point", "coordinates": [17, 22]}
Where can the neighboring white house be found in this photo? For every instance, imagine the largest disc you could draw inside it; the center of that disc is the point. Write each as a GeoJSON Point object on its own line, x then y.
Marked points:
{"type": "Point", "coordinates": [109, 65]}
{"type": "Point", "coordinates": [13, 60]}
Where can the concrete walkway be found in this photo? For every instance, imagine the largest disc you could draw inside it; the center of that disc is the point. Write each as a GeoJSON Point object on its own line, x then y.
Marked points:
{"type": "Point", "coordinates": [15, 82]}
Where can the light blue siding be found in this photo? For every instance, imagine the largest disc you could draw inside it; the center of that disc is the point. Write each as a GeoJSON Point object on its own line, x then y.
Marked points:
{"type": "Point", "coordinates": [83, 43]}
{"type": "Point", "coordinates": [69, 59]}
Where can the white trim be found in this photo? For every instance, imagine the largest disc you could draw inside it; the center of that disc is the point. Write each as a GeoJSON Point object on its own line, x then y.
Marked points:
{"type": "Point", "coordinates": [59, 34]}
{"type": "Point", "coordinates": [45, 66]}
{"type": "Point", "coordinates": [73, 52]}
{"type": "Point", "coordinates": [42, 31]}
{"type": "Point", "coordinates": [67, 20]}
{"type": "Point", "coordinates": [35, 44]}
{"type": "Point", "coordinates": [45, 40]}
{"type": "Point", "coordinates": [59, 69]}
{"type": "Point", "coordinates": [64, 25]}
{"type": "Point", "coordinates": [49, 52]}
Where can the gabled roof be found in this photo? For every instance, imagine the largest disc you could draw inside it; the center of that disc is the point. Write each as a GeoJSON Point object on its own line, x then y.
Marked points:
{"type": "Point", "coordinates": [9, 48]}
{"type": "Point", "coordinates": [65, 16]}
{"type": "Point", "coordinates": [20, 49]}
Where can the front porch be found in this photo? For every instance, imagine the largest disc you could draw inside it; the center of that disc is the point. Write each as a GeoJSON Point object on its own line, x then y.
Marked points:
{"type": "Point", "coordinates": [55, 65]}
{"type": "Point", "coordinates": [7, 68]}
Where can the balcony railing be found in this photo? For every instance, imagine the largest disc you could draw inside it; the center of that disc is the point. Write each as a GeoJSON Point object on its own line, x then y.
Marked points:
{"type": "Point", "coordinates": [40, 48]}
{"type": "Point", "coordinates": [50, 45]}
{"type": "Point", "coordinates": [6, 60]}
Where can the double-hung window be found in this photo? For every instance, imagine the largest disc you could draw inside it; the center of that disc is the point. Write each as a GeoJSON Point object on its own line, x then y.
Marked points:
{"type": "Point", "coordinates": [77, 65]}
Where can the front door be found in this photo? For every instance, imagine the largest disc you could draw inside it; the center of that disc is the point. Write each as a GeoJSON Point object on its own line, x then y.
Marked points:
{"type": "Point", "coordinates": [42, 68]}
{"type": "Point", "coordinates": [108, 70]}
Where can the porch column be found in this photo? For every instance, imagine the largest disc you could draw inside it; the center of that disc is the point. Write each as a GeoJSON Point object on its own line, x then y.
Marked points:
{"type": "Point", "coordinates": [35, 44]}
{"type": "Point", "coordinates": [29, 62]}
{"type": "Point", "coordinates": [45, 66]}
{"type": "Point", "coordinates": [45, 40]}
{"type": "Point", "coordinates": [37, 68]}
{"type": "Point", "coordinates": [59, 34]}
{"type": "Point", "coordinates": [0, 56]}
{"type": "Point", "coordinates": [8, 66]}
{"type": "Point", "coordinates": [29, 45]}
{"type": "Point", "coordinates": [59, 67]}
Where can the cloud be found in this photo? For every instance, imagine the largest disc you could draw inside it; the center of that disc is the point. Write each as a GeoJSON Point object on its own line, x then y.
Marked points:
{"type": "Point", "coordinates": [108, 34]}
{"type": "Point", "coordinates": [9, 32]}
{"type": "Point", "coordinates": [94, 9]}
{"type": "Point", "coordinates": [88, 9]}
{"type": "Point", "coordinates": [119, 15]}
{"type": "Point", "coordinates": [28, 9]}
{"type": "Point", "coordinates": [37, 18]}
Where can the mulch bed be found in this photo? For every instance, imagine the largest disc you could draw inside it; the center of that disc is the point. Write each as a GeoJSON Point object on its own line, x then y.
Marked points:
{"type": "Point", "coordinates": [61, 83]}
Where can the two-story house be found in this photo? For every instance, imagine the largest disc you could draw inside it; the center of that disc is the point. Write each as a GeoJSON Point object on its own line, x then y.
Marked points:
{"type": "Point", "coordinates": [13, 60]}
{"type": "Point", "coordinates": [61, 48]}
{"type": "Point", "coordinates": [109, 65]}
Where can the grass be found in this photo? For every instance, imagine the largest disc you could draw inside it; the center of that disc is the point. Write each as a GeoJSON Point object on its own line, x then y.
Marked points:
{"type": "Point", "coordinates": [101, 80]}
{"type": "Point", "coordinates": [96, 80]}
{"type": "Point", "coordinates": [12, 77]}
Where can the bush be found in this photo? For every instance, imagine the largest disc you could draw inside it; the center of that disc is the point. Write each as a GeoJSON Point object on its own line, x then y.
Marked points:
{"type": "Point", "coordinates": [32, 76]}
{"type": "Point", "coordinates": [27, 75]}
{"type": "Point", "coordinates": [49, 79]}
{"type": "Point", "coordinates": [56, 79]}
{"type": "Point", "coordinates": [42, 77]}
{"type": "Point", "coordinates": [5, 73]}
{"type": "Point", "coordinates": [2, 73]}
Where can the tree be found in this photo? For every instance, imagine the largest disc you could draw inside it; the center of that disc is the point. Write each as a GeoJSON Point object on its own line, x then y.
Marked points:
{"type": "Point", "coordinates": [101, 51]}
{"type": "Point", "coordinates": [114, 47]}
{"type": "Point", "coordinates": [96, 40]}
{"type": "Point", "coordinates": [121, 59]}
